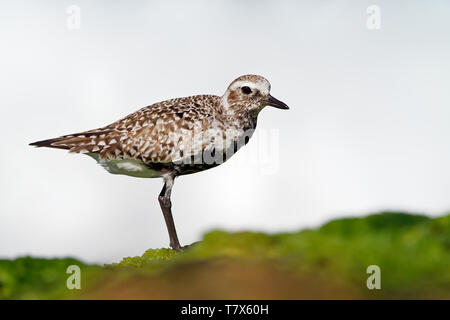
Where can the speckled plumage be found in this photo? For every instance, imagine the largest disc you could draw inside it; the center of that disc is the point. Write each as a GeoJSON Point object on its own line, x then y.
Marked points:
{"type": "Point", "coordinates": [172, 132]}
{"type": "Point", "coordinates": [175, 137]}
{"type": "Point", "coordinates": [157, 133]}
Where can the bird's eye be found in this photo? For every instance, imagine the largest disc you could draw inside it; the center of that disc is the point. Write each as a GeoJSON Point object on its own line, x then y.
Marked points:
{"type": "Point", "coordinates": [246, 90]}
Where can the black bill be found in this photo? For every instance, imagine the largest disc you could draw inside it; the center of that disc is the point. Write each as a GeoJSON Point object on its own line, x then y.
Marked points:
{"type": "Point", "coordinates": [271, 101]}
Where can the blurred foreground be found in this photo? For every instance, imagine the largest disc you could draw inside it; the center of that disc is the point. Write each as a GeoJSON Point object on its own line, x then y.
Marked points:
{"type": "Point", "coordinates": [412, 251]}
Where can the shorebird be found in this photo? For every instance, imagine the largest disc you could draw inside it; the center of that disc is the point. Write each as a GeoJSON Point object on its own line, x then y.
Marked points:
{"type": "Point", "coordinates": [175, 137]}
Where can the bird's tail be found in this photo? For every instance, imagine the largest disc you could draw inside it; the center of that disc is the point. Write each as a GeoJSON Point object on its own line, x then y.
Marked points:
{"type": "Point", "coordinates": [50, 143]}
{"type": "Point", "coordinates": [88, 141]}
{"type": "Point", "coordinates": [69, 141]}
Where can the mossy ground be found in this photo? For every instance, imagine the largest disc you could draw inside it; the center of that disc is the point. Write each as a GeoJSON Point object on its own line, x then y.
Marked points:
{"type": "Point", "coordinates": [412, 251]}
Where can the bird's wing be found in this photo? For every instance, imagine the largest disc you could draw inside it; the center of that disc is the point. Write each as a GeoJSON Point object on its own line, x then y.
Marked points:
{"type": "Point", "coordinates": [157, 133]}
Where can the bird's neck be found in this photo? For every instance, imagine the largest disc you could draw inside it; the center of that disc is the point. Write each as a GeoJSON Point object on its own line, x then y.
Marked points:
{"type": "Point", "coordinates": [241, 116]}
{"type": "Point", "coordinates": [234, 107]}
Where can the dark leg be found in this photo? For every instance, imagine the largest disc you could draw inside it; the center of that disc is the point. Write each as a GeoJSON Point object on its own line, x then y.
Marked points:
{"type": "Point", "coordinates": [166, 207]}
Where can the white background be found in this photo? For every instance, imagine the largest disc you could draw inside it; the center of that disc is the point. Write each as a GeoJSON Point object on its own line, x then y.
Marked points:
{"type": "Point", "coordinates": [368, 129]}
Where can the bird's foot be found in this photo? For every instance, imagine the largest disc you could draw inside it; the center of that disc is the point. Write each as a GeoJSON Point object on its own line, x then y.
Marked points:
{"type": "Point", "coordinates": [184, 248]}
{"type": "Point", "coordinates": [193, 244]}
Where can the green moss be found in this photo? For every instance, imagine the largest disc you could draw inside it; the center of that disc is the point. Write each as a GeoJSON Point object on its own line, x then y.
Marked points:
{"type": "Point", "coordinates": [35, 278]}
{"type": "Point", "coordinates": [413, 252]}
{"type": "Point", "coordinates": [149, 257]}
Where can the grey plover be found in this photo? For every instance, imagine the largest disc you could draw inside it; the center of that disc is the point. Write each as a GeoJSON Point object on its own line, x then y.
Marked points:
{"type": "Point", "coordinates": [175, 137]}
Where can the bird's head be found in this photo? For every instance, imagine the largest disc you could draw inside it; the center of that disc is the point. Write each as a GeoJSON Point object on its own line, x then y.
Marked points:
{"type": "Point", "coordinates": [251, 92]}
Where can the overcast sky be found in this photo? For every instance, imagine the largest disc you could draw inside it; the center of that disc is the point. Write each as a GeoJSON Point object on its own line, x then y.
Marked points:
{"type": "Point", "coordinates": [368, 128]}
